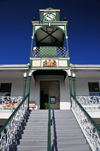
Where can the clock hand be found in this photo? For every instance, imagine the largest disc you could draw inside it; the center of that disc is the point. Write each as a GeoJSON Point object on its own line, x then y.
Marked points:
{"type": "Point", "coordinates": [49, 17]}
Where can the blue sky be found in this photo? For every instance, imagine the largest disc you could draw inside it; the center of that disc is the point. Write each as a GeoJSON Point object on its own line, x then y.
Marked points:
{"type": "Point", "coordinates": [83, 29]}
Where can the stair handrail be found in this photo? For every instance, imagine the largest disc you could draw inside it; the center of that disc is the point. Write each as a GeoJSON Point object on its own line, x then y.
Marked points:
{"type": "Point", "coordinates": [13, 123]}
{"type": "Point", "coordinates": [89, 127]}
{"type": "Point", "coordinates": [49, 125]}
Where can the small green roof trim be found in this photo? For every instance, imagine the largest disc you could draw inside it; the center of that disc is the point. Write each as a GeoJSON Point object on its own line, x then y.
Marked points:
{"type": "Point", "coordinates": [49, 8]}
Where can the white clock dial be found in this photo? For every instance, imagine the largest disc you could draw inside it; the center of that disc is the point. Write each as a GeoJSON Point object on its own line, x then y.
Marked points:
{"type": "Point", "coordinates": [49, 16]}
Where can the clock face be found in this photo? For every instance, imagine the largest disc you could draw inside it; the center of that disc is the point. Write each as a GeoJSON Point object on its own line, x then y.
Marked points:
{"type": "Point", "coordinates": [49, 16]}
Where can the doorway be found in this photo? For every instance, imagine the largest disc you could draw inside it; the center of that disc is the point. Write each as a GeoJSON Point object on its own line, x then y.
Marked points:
{"type": "Point", "coordinates": [54, 88]}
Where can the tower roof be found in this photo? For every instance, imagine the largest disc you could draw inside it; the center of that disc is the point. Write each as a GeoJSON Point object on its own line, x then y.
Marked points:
{"type": "Point", "coordinates": [49, 8]}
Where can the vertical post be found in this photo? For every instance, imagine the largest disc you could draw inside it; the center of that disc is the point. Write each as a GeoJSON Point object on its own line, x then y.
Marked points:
{"type": "Point", "coordinates": [29, 81]}
{"type": "Point", "coordinates": [49, 110]}
{"type": "Point", "coordinates": [66, 40]}
{"type": "Point", "coordinates": [70, 85]}
{"type": "Point", "coordinates": [74, 87]}
{"type": "Point", "coordinates": [32, 46]}
{"type": "Point", "coordinates": [49, 126]}
{"type": "Point", "coordinates": [32, 41]}
{"type": "Point", "coordinates": [24, 88]}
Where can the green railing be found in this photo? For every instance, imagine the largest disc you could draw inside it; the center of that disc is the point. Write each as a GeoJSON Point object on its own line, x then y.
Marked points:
{"type": "Point", "coordinates": [49, 51]}
{"type": "Point", "coordinates": [90, 129]}
{"type": "Point", "coordinates": [49, 126]}
{"type": "Point", "coordinates": [13, 124]}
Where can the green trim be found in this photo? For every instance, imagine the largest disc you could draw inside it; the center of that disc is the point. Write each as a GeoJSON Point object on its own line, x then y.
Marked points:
{"type": "Point", "coordinates": [57, 16]}
{"type": "Point", "coordinates": [44, 22]}
{"type": "Point", "coordinates": [94, 123]}
{"type": "Point", "coordinates": [50, 67]}
{"type": "Point", "coordinates": [67, 47]}
{"type": "Point", "coordinates": [67, 40]}
{"type": "Point", "coordinates": [31, 47]}
{"type": "Point", "coordinates": [89, 95]}
{"type": "Point", "coordinates": [68, 62]}
{"type": "Point", "coordinates": [32, 42]}
{"type": "Point", "coordinates": [13, 95]}
{"type": "Point", "coordinates": [41, 16]}
{"type": "Point", "coordinates": [53, 68]}
{"type": "Point", "coordinates": [33, 30]}
{"type": "Point", "coordinates": [30, 62]}
{"type": "Point", "coordinates": [13, 113]}
{"type": "Point", "coordinates": [74, 87]}
{"type": "Point", "coordinates": [29, 81]}
{"type": "Point", "coordinates": [43, 58]}
{"type": "Point", "coordinates": [70, 87]}
{"type": "Point", "coordinates": [24, 88]}
{"type": "Point", "coordinates": [49, 8]}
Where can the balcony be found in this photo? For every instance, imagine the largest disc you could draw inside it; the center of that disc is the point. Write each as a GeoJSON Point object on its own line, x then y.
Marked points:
{"type": "Point", "coordinates": [49, 57]}
{"type": "Point", "coordinates": [48, 51]}
{"type": "Point", "coordinates": [9, 102]}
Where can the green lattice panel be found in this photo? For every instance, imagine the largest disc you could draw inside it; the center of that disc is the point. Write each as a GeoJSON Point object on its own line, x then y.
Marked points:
{"type": "Point", "coordinates": [48, 51]}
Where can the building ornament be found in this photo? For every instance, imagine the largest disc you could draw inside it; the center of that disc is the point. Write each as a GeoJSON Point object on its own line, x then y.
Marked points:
{"type": "Point", "coordinates": [49, 63]}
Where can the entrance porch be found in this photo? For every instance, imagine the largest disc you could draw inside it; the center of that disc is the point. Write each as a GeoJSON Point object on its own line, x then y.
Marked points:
{"type": "Point", "coordinates": [53, 88]}
{"type": "Point", "coordinates": [53, 81]}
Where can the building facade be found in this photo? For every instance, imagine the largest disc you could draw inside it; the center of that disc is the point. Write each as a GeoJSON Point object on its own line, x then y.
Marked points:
{"type": "Point", "coordinates": [50, 67]}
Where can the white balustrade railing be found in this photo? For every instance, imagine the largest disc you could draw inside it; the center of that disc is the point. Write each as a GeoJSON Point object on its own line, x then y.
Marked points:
{"type": "Point", "coordinates": [10, 102]}
{"type": "Point", "coordinates": [89, 101]}
{"type": "Point", "coordinates": [90, 129]}
{"type": "Point", "coordinates": [10, 129]}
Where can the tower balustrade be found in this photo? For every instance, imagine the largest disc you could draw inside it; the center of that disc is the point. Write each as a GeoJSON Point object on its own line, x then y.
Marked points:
{"type": "Point", "coordinates": [49, 51]}
{"type": "Point", "coordinates": [49, 47]}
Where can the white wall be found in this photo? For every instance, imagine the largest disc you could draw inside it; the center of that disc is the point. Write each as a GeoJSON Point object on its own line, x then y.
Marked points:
{"type": "Point", "coordinates": [17, 87]}
{"type": "Point", "coordinates": [82, 85]}
{"type": "Point", "coordinates": [14, 77]}
{"type": "Point", "coordinates": [64, 90]}
{"type": "Point", "coordinates": [64, 94]}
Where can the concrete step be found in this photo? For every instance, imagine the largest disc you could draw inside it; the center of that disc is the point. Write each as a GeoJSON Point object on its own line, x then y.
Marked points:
{"type": "Point", "coordinates": [36, 132]}
{"type": "Point", "coordinates": [66, 134]}
{"type": "Point", "coordinates": [73, 147]}
{"type": "Point", "coordinates": [33, 143]}
{"type": "Point", "coordinates": [31, 148]}
{"type": "Point", "coordinates": [36, 138]}
{"type": "Point", "coordinates": [71, 141]}
{"type": "Point", "coordinates": [42, 142]}
{"type": "Point", "coordinates": [38, 123]}
{"type": "Point", "coordinates": [38, 128]}
{"type": "Point", "coordinates": [61, 148]}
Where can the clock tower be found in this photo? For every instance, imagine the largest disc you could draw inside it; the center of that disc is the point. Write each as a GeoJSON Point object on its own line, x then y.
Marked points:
{"type": "Point", "coordinates": [49, 60]}
{"type": "Point", "coordinates": [49, 14]}
{"type": "Point", "coordinates": [49, 47]}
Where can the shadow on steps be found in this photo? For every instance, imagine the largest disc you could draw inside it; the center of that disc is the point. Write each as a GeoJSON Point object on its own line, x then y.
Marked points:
{"type": "Point", "coordinates": [54, 145]}
{"type": "Point", "coordinates": [18, 135]}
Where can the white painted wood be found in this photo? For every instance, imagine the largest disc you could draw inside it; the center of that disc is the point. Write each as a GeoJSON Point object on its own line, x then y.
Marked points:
{"type": "Point", "coordinates": [62, 63]}
{"type": "Point", "coordinates": [64, 105]}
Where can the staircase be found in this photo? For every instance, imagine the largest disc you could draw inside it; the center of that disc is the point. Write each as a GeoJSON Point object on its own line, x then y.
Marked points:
{"type": "Point", "coordinates": [66, 134]}
{"type": "Point", "coordinates": [35, 133]}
